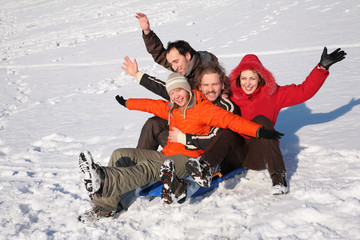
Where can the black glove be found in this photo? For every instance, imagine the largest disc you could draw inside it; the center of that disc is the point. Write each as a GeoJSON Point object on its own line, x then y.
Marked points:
{"type": "Point", "coordinates": [269, 134]}
{"type": "Point", "coordinates": [121, 100]}
{"type": "Point", "coordinates": [329, 59]}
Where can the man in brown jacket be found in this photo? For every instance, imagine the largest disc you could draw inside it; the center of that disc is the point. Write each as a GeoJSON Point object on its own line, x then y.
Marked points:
{"type": "Point", "coordinates": [179, 57]}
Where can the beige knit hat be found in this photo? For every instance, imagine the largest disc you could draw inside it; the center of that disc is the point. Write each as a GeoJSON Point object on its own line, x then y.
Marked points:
{"type": "Point", "coordinates": [176, 80]}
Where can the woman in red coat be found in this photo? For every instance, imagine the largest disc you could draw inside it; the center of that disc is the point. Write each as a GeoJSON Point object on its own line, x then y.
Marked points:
{"type": "Point", "coordinates": [260, 99]}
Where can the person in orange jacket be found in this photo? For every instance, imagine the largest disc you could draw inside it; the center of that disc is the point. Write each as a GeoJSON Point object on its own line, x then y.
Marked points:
{"type": "Point", "coordinates": [187, 110]}
{"type": "Point", "coordinates": [196, 114]}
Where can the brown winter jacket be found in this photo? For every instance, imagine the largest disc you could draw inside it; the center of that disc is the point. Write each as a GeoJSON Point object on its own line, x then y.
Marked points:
{"type": "Point", "coordinates": [157, 50]}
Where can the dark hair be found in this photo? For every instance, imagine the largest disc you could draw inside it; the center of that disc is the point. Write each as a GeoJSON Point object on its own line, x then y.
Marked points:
{"type": "Point", "coordinates": [182, 46]}
{"type": "Point", "coordinates": [211, 68]}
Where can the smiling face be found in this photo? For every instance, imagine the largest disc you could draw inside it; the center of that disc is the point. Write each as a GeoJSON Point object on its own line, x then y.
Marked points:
{"type": "Point", "coordinates": [179, 96]}
{"type": "Point", "coordinates": [211, 86]}
{"type": "Point", "coordinates": [178, 62]}
{"type": "Point", "coordinates": [249, 81]}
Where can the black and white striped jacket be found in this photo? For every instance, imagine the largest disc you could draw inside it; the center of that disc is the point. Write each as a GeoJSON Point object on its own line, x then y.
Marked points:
{"type": "Point", "coordinates": [203, 141]}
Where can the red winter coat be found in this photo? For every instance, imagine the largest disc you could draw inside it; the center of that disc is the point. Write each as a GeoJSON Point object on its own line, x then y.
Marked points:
{"type": "Point", "coordinates": [197, 120]}
{"type": "Point", "coordinates": [269, 99]}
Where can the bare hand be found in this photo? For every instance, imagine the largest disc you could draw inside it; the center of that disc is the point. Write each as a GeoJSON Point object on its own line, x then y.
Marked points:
{"type": "Point", "coordinates": [173, 134]}
{"type": "Point", "coordinates": [144, 22]}
{"type": "Point", "coordinates": [130, 67]}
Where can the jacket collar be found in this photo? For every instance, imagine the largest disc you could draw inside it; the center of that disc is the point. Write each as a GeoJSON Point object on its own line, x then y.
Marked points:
{"type": "Point", "coordinates": [192, 63]}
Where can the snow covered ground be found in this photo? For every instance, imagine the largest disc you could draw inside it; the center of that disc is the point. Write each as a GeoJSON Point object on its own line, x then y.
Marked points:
{"type": "Point", "coordinates": [60, 69]}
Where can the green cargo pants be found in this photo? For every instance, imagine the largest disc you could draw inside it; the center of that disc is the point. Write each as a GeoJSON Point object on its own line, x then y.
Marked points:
{"type": "Point", "coordinates": [131, 168]}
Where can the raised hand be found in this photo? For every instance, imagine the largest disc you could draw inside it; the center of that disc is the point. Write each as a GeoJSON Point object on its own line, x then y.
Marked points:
{"type": "Point", "coordinates": [329, 59]}
{"type": "Point", "coordinates": [144, 22]}
{"type": "Point", "coordinates": [130, 67]}
{"type": "Point", "coordinates": [121, 100]}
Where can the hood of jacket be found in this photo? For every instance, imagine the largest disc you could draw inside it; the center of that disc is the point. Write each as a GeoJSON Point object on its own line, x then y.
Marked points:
{"type": "Point", "coordinates": [252, 62]}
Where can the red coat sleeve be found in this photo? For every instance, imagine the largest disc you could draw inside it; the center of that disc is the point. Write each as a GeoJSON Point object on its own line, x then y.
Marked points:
{"type": "Point", "coordinates": [290, 95]}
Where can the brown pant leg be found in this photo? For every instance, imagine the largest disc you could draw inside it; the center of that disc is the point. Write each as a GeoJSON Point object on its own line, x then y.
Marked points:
{"type": "Point", "coordinates": [154, 133]}
{"type": "Point", "coordinates": [227, 146]}
{"type": "Point", "coordinates": [264, 153]}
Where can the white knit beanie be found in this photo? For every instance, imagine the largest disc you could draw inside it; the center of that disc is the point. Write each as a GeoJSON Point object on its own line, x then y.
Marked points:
{"type": "Point", "coordinates": [176, 80]}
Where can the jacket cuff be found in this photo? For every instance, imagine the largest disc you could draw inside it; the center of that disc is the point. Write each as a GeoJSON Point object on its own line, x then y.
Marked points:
{"type": "Point", "coordinates": [321, 68]}
{"type": "Point", "coordinates": [138, 76]}
{"type": "Point", "coordinates": [181, 138]}
{"type": "Point", "coordinates": [148, 35]}
{"type": "Point", "coordinates": [258, 132]}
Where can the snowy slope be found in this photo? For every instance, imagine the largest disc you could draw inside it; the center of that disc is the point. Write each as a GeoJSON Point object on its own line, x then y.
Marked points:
{"type": "Point", "coordinates": [60, 68]}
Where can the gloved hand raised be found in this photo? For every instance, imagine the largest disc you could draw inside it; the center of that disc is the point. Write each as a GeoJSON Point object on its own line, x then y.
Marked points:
{"type": "Point", "coordinates": [121, 100]}
{"type": "Point", "coordinates": [329, 59]}
{"type": "Point", "coordinates": [269, 134]}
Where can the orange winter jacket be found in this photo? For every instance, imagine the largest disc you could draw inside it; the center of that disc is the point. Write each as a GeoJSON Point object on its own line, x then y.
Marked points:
{"type": "Point", "coordinates": [198, 120]}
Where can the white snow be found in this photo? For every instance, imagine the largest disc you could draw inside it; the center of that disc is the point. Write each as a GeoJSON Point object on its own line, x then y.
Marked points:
{"type": "Point", "coordinates": [61, 69]}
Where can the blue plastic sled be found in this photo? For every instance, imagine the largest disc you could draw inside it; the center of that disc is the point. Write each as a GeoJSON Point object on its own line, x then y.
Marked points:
{"type": "Point", "coordinates": [155, 188]}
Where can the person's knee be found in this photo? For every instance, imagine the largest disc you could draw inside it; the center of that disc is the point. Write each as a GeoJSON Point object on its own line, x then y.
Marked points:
{"type": "Point", "coordinates": [115, 156]}
{"type": "Point", "coordinates": [151, 122]}
{"type": "Point", "coordinates": [155, 125]}
{"type": "Point", "coordinates": [122, 157]}
{"type": "Point", "coordinates": [119, 152]}
{"type": "Point", "coordinates": [264, 121]}
{"type": "Point", "coordinates": [228, 135]}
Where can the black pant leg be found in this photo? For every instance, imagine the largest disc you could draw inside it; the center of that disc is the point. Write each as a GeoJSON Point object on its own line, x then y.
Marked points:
{"type": "Point", "coordinates": [226, 145]}
{"type": "Point", "coordinates": [264, 153]}
{"type": "Point", "coordinates": [154, 132]}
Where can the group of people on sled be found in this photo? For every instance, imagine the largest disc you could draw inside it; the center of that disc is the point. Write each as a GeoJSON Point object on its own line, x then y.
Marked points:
{"type": "Point", "coordinates": [206, 123]}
